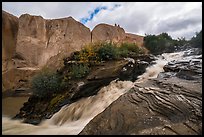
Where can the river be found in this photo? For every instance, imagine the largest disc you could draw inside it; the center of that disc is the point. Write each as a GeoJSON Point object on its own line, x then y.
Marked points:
{"type": "Point", "coordinates": [71, 119]}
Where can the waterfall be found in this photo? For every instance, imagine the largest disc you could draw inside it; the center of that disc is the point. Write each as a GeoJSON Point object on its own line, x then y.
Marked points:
{"type": "Point", "coordinates": [71, 119]}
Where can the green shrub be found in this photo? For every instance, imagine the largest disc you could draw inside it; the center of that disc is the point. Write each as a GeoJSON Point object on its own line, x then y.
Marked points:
{"type": "Point", "coordinates": [159, 44]}
{"type": "Point", "coordinates": [46, 83]}
{"type": "Point", "coordinates": [87, 54]}
{"type": "Point", "coordinates": [79, 71]}
{"type": "Point", "coordinates": [107, 51]}
{"type": "Point", "coordinates": [122, 52]}
{"type": "Point", "coordinates": [104, 51]}
{"type": "Point", "coordinates": [131, 47]}
{"type": "Point", "coordinates": [128, 48]}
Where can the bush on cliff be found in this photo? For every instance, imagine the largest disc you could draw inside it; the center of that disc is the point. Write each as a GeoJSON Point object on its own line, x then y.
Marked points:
{"type": "Point", "coordinates": [127, 49]}
{"type": "Point", "coordinates": [97, 52]}
{"type": "Point", "coordinates": [107, 51]}
{"type": "Point", "coordinates": [46, 83]}
{"type": "Point", "coordinates": [78, 71]}
{"type": "Point", "coordinates": [87, 54]}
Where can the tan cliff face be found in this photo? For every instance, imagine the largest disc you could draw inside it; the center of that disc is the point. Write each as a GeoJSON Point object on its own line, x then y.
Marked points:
{"type": "Point", "coordinates": [106, 32]}
{"type": "Point", "coordinates": [40, 39]}
{"type": "Point", "coordinates": [37, 39]}
{"type": "Point", "coordinates": [34, 42]}
{"type": "Point", "coordinates": [9, 39]}
{"type": "Point", "coordinates": [132, 38]}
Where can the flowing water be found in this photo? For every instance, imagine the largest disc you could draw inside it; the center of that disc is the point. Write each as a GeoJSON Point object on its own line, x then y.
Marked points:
{"type": "Point", "coordinates": [71, 119]}
{"type": "Point", "coordinates": [161, 60]}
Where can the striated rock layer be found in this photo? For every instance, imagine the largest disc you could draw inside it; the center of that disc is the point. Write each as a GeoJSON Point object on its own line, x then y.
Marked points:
{"type": "Point", "coordinates": [171, 104]}
{"type": "Point", "coordinates": [163, 107]}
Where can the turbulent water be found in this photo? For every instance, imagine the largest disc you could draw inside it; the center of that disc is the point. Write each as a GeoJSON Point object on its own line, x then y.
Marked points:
{"type": "Point", "coordinates": [71, 119]}
{"type": "Point", "coordinates": [161, 60]}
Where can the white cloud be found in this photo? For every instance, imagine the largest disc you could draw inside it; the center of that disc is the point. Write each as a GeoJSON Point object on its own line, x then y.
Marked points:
{"type": "Point", "coordinates": [179, 19]}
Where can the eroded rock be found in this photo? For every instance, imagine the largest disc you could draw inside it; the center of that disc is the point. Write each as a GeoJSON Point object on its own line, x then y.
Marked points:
{"type": "Point", "coordinates": [152, 108]}
{"type": "Point", "coordinates": [40, 39]}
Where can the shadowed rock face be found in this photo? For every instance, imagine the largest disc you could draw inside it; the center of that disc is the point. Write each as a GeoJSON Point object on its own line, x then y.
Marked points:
{"type": "Point", "coordinates": [156, 107]}
{"type": "Point", "coordinates": [18, 78]}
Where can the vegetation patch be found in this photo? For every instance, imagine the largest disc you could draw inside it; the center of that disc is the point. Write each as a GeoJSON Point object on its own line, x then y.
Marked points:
{"type": "Point", "coordinates": [158, 44]}
{"type": "Point", "coordinates": [46, 83]}
{"type": "Point", "coordinates": [79, 65]}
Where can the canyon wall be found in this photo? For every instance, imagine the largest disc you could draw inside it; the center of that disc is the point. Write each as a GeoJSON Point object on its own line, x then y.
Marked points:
{"type": "Point", "coordinates": [9, 39]}
{"type": "Point", "coordinates": [32, 42]}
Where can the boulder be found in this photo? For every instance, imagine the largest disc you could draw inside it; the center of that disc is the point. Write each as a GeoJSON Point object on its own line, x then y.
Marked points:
{"type": "Point", "coordinates": [105, 32]}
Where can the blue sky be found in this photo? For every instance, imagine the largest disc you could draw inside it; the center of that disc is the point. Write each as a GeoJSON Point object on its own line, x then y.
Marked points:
{"type": "Point", "coordinates": [179, 19]}
{"type": "Point", "coordinates": [92, 14]}
{"type": "Point", "coordinates": [96, 11]}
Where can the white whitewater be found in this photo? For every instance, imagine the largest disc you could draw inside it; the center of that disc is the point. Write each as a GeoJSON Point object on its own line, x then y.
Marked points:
{"type": "Point", "coordinates": [161, 60]}
{"type": "Point", "coordinates": [71, 119]}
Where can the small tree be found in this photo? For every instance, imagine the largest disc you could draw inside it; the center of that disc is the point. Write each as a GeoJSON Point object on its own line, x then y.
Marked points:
{"type": "Point", "coordinates": [46, 83]}
{"type": "Point", "coordinates": [197, 40]}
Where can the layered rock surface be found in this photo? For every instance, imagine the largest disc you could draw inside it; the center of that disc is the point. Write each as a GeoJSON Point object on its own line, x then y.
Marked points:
{"type": "Point", "coordinates": [171, 104]}
{"type": "Point", "coordinates": [157, 107]}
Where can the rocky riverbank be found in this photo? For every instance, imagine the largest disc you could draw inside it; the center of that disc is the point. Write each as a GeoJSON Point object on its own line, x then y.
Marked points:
{"type": "Point", "coordinates": [37, 109]}
{"type": "Point", "coordinates": [171, 104]}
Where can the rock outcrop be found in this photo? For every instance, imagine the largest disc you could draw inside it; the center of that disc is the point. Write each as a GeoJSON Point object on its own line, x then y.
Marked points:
{"type": "Point", "coordinates": [109, 33]}
{"type": "Point", "coordinates": [171, 104]}
{"type": "Point", "coordinates": [100, 76]}
{"type": "Point", "coordinates": [30, 41]}
{"type": "Point", "coordinates": [36, 39]}
{"type": "Point", "coordinates": [40, 39]}
{"type": "Point", "coordinates": [158, 107]}
{"type": "Point", "coordinates": [105, 32]}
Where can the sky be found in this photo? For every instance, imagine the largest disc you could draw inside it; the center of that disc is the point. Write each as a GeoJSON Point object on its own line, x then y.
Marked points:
{"type": "Point", "coordinates": [178, 19]}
